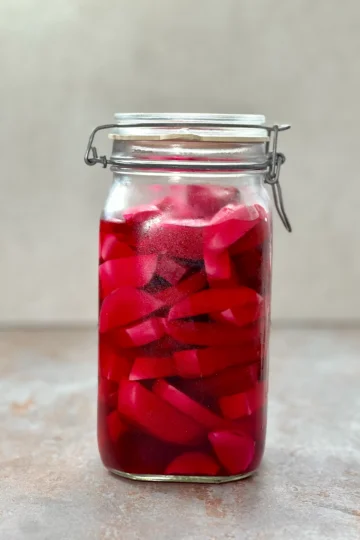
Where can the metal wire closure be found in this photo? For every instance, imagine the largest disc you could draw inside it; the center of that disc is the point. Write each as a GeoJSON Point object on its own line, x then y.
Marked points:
{"type": "Point", "coordinates": [271, 164]}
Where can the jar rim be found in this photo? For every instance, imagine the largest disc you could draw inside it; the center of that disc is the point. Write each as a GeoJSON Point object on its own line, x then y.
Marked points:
{"type": "Point", "coordinates": [246, 128]}
{"type": "Point", "coordinates": [190, 118]}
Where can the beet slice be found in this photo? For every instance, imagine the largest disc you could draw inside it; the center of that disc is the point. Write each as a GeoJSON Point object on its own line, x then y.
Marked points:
{"type": "Point", "coordinates": [141, 213]}
{"type": "Point", "coordinates": [152, 368]}
{"type": "Point", "coordinates": [240, 316]}
{"type": "Point", "coordinates": [252, 239]}
{"type": "Point", "coordinates": [170, 270]}
{"type": "Point", "coordinates": [229, 381]}
{"type": "Point", "coordinates": [212, 300]}
{"type": "Point", "coordinates": [165, 204]}
{"type": "Point", "coordinates": [250, 311]}
{"type": "Point", "coordinates": [232, 379]}
{"type": "Point", "coordinates": [194, 363]}
{"type": "Point", "coordinates": [140, 453]}
{"type": "Point", "coordinates": [134, 271]}
{"type": "Point", "coordinates": [234, 450]}
{"type": "Point", "coordinates": [112, 248]}
{"type": "Point", "coordinates": [180, 207]}
{"type": "Point", "coordinates": [253, 424]}
{"type": "Point", "coordinates": [148, 411]}
{"type": "Point", "coordinates": [244, 403]}
{"type": "Point", "coordinates": [208, 200]}
{"type": "Point", "coordinates": [217, 264]}
{"type": "Point", "coordinates": [116, 427]}
{"type": "Point", "coordinates": [192, 284]}
{"type": "Point", "coordinates": [193, 463]}
{"type": "Point", "coordinates": [188, 406]}
{"type": "Point", "coordinates": [229, 224]}
{"type": "Point", "coordinates": [178, 238]}
{"type": "Point", "coordinates": [139, 334]}
{"type": "Point", "coordinates": [112, 366]}
{"type": "Point", "coordinates": [107, 393]}
{"type": "Point", "coordinates": [212, 334]}
{"type": "Point", "coordinates": [125, 305]}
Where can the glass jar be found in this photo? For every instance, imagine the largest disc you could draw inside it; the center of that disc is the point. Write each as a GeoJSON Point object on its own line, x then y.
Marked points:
{"type": "Point", "coordinates": [184, 295]}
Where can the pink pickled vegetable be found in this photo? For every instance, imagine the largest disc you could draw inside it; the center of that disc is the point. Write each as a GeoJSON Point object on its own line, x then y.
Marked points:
{"type": "Point", "coordinates": [234, 450]}
{"type": "Point", "coordinates": [195, 363]}
{"type": "Point", "coordinates": [113, 366]}
{"type": "Point", "coordinates": [148, 411]}
{"type": "Point", "coordinates": [178, 238]}
{"type": "Point", "coordinates": [217, 264]}
{"type": "Point", "coordinates": [112, 248]}
{"type": "Point", "coordinates": [211, 300]}
{"type": "Point", "coordinates": [228, 381]}
{"type": "Point", "coordinates": [193, 463]}
{"type": "Point", "coordinates": [107, 393]}
{"type": "Point", "coordinates": [186, 405]}
{"type": "Point", "coordinates": [243, 314]}
{"type": "Point", "coordinates": [184, 326]}
{"type": "Point", "coordinates": [139, 334]}
{"type": "Point", "coordinates": [229, 224]}
{"type": "Point", "coordinates": [152, 368]}
{"type": "Point", "coordinates": [192, 284]}
{"type": "Point", "coordinates": [170, 270]}
{"type": "Point", "coordinates": [208, 200]}
{"type": "Point", "coordinates": [212, 334]}
{"type": "Point", "coordinates": [252, 239]}
{"type": "Point", "coordinates": [115, 425]}
{"type": "Point", "coordinates": [141, 213]}
{"type": "Point", "coordinates": [134, 271]}
{"type": "Point", "coordinates": [126, 305]}
{"type": "Point", "coordinates": [244, 403]}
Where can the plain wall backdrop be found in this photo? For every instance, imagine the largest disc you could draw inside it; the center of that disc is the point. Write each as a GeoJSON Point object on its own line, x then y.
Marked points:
{"type": "Point", "coordinates": [67, 65]}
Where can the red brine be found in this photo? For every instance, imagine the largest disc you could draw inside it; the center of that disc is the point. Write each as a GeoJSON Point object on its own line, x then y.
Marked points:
{"type": "Point", "coordinates": [184, 288]}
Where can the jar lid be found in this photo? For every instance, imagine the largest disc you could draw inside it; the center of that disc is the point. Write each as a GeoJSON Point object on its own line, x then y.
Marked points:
{"type": "Point", "coordinates": [191, 127]}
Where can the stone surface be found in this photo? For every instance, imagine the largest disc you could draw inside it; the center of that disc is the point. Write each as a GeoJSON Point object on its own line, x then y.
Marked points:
{"type": "Point", "coordinates": [53, 485]}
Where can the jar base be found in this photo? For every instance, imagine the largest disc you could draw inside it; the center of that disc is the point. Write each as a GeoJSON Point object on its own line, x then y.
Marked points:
{"type": "Point", "coordinates": [182, 478]}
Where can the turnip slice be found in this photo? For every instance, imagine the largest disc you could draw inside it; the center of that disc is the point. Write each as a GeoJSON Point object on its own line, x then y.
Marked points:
{"type": "Point", "coordinates": [234, 450]}
{"type": "Point", "coordinates": [194, 363]}
{"type": "Point", "coordinates": [152, 368]}
{"type": "Point", "coordinates": [193, 463]}
{"type": "Point", "coordinates": [188, 406]}
{"type": "Point", "coordinates": [139, 334]}
{"type": "Point", "coordinates": [212, 334]}
{"type": "Point", "coordinates": [229, 224]}
{"type": "Point", "coordinates": [125, 305]}
{"type": "Point", "coordinates": [112, 366]}
{"type": "Point", "coordinates": [112, 248]}
{"type": "Point", "coordinates": [148, 411]}
{"type": "Point", "coordinates": [141, 213]}
{"type": "Point", "coordinates": [244, 403]}
{"type": "Point", "coordinates": [116, 427]}
{"type": "Point", "coordinates": [172, 295]}
{"type": "Point", "coordinates": [212, 300]}
{"type": "Point", "coordinates": [170, 270]}
{"type": "Point", "coordinates": [134, 271]}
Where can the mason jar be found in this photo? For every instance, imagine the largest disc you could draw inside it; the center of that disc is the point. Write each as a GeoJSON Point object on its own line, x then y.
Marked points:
{"type": "Point", "coordinates": [184, 294]}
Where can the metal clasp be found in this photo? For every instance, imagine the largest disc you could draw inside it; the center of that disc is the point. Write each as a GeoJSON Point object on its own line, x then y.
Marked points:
{"type": "Point", "coordinates": [90, 149]}
{"type": "Point", "coordinates": [272, 178]}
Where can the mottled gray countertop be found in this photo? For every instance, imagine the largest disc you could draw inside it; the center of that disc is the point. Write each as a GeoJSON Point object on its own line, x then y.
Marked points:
{"type": "Point", "coordinates": [53, 486]}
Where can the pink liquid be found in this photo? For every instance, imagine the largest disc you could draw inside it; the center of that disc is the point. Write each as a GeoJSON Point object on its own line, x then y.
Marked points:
{"type": "Point", "coordinates": [183, 333]}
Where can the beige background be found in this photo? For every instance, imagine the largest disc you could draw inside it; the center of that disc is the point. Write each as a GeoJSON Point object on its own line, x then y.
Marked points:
{"type": "Point", "coordinates": [67, 65]}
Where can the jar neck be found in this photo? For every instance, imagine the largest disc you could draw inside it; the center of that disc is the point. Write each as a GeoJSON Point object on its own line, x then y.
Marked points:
{"type": "Point", "coordinates": [162, 177]}
{"type": "Point", "coordinates": [199, 155]}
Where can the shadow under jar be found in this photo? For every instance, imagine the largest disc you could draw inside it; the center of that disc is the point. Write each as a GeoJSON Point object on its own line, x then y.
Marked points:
{"type": "Point", "coordinates": [184, 295]}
